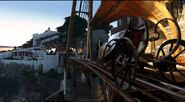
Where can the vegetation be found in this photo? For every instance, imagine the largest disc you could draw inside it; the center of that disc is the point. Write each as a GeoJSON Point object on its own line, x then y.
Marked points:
{"type": "Point", "coordinates": [80, 26]}
{"type": "Point", "coordinates": [27, 44]}
{"type": "Point", "coordinates": [79, 29]}
{"type": "Point", "coordinates": [20, 82]}
{"type": "Point", "coordinates": [52, 74]}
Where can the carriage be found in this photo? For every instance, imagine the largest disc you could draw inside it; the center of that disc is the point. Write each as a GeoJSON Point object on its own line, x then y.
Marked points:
{"type": "Point", "coordinates": [125, 54]}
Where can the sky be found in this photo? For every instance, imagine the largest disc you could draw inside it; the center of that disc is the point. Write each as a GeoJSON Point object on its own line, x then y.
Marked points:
{"type": "Point", "coordinates": [19, 20]}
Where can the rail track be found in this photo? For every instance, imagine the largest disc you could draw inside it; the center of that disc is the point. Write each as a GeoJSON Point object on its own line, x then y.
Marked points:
{"type": "Point", "coordinates": [143, 87]}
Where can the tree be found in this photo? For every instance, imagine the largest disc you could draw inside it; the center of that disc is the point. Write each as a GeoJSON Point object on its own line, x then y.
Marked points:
{"type": "Point", "coordinates": [27, 44]}
{"type": "Point", "coordinates": [79, 29]}
{"type": "Point", "coordinates": [80, 25]}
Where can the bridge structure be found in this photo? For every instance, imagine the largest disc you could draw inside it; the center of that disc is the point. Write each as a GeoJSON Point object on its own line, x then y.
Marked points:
{"type": "Point", "coordinates": [144, 85]}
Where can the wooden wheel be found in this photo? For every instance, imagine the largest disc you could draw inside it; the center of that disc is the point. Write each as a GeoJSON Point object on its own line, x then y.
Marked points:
{"type": "Point", "coordinates": [124, 63]}
{"type": "Point", "coordinates": [172, 67]}
{"type": "Point", "coordinates": [165, 22]}
{"type": "Point", "coordinates": [110, 46]}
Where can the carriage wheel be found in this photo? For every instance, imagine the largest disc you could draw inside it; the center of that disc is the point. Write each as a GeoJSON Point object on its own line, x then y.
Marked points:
{"type": "Point", "coordinates": [109, 47]}
{"type": "Point", "coordinates": [165, 21]}
{"type": "Point", "coordinates": [172, 67]}
{"type": "Point", "coordinates": [124, 63]}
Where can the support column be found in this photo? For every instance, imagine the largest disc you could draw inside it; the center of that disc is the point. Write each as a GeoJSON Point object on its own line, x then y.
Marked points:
{"type": "Point", "coordinates": [70, 31]}
{"type": "Point", "coordinates": [69, 95]}
{"type": "Point", "coordinates": [89, 33]}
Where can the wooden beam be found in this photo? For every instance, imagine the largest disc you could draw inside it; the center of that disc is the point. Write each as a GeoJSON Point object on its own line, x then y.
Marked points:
{"type": "Point", "coordinates": [89, 34]}
{"type": "Point", "coordinates": [70, 31]}
{"type": "Point", "coordinates": [80, 7]}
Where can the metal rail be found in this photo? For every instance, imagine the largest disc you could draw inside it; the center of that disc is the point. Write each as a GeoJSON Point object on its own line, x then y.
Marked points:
{"type": "Point", "coordinates": [171, 90]}
{"type": "Point", "coordinates": [56, 96]}
{"type": "Point", "coordinates": [107, 80]}
{"type": "Point", "coordinates": [168, 88]}
{"type": "Point", "coordinates": [133, 87]}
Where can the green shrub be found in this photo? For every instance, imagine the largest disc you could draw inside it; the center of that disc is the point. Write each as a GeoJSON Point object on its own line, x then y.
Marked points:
{"type": "Point", "coordinates": [52, 74]}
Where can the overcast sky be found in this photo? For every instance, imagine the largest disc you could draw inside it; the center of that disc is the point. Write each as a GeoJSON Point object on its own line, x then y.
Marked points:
{"type": "Point", "coordinates": [20, 19]}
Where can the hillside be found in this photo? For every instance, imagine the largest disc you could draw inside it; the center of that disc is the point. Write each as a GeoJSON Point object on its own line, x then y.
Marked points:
{"type": "Point", "coordinates": [21, 83]}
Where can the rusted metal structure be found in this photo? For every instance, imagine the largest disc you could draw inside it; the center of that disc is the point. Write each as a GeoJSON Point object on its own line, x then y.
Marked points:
{"type": "Point", "coordinates": [147, 87]}
{"type": "Point", "coordinates": [121, 74]}
{"type": "Point", "coordinates": [154, 11]}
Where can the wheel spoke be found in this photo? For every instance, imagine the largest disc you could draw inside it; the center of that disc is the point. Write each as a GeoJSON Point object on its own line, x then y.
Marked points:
{"type": "Point", "coordinates": [181, 73]}
{"type": "Point", "coordinates": [179, 53]}
{"type": "Point", "coordinates": [112, 45]}
{"type": "Point", "coordinates": [170, 61]}
{"type": "Point", "coordinates": [173, 77]}
{"type": "Point", "coordinates": [170, 49]}
{"type": "Point", "coordinates": [163, 52]}
{"type": "Point", "coordinates": [108, 47]}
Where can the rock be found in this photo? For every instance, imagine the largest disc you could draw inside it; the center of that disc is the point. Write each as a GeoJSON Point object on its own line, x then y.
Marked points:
{"type": "Point", "coordinates": [20, 83]}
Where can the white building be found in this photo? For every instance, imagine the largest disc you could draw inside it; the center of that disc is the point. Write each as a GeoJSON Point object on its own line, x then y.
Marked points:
{"type": "Point", "coordinates": [33, 57]}
{"type": "Point", "coordinates": [48, 50]}
{"type": "Point", "coordinates": [41, 54]}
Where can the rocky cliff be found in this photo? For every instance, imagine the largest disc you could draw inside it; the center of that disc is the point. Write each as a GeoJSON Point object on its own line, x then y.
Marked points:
{"type": "Point", "coordinates": [21, 83]}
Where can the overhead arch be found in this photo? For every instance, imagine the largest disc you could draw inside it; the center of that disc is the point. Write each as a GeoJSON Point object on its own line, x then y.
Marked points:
{"type": "Point", "coordinates": [154, 11]}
